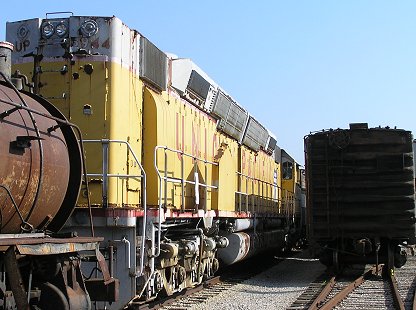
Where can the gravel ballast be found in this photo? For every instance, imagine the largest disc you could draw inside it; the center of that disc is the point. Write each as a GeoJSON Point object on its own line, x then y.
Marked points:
{"type": "Point", "coordinates": [276, 288]}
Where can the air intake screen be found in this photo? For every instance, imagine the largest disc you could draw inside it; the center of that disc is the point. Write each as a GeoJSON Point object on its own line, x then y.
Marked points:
{"type": "Point", "coordinates": [256, 135]}
{"type": "Point", "coordinates": [198, 85]}
{"type": "Point", "coordinates": [153, 64]}
{"type": "Point", "coordinates": [277, 154]}
{"type": "Point", "coordinates": [271, 145]}
{"type": "Point", "coordinates": [232, 117]}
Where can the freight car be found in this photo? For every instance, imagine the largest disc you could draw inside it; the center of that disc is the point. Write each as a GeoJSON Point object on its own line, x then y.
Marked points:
{"type": "Point", "coordinates": [182, 178]}
{"type": "Point", "coordinates": [360, 189]}
{"type": "Point", "coordinates": [40, 177]}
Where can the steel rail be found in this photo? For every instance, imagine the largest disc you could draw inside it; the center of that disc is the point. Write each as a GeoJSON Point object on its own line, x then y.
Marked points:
{"type": "Point", "coordinates": [398, 302]}
{"type": "Point", "coordinates": [414, 300]}
{"type": "Point", "coordinates": [320, 300]}
{"type": "Point", "coordinates": [335, 300]}
{"type": "Point", "coordinates": [170, 299]}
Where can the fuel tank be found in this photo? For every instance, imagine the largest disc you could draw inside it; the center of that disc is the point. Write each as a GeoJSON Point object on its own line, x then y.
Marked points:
{"type": "Point", "coordinates": [40, 164]}
{"type": "Point", "coordinates": [243, 245]}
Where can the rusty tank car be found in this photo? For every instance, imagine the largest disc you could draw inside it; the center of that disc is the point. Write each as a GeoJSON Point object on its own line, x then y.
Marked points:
{"type": "Point", "coordinates": [360, 194]}
{"type": "Point", "coordinates": [40, 179]}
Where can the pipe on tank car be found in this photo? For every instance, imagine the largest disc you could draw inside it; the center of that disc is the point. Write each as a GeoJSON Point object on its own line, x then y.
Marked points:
{"type": "Point", "coordinates": [127, 244]}
{"type": "Point", "coordinates": [25, 226]}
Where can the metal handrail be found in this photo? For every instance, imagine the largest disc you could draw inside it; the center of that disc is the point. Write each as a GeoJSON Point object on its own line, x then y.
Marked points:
{"type": "Point", "coordinates": [290, 200]}
{"type": "Point", "coordinates": [181, 180]}
{"type": "Point", "coordinates": [25, 226]}
{"type": "Point", "coordinates": [252, 179]}
{"type": "Point", "coordinates": [105, 175]}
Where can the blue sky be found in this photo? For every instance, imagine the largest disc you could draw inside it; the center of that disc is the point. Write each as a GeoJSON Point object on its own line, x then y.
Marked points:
{"type": "Point", "coordinates": [297, 66]}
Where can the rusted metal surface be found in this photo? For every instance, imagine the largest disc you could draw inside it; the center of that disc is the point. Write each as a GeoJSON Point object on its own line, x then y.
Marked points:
{"type": "Point", "coordinates": [15, 279]}
{"type": "Point", "coordinates": [44, 246]}
{"type": "Point", "coordinates": [320, 300]}
{"type": "Point", "coordinates": [395, 292]}
{"type": "Point", "coordinates": [100, 291]}
{"type": "Point", "coordinates": [36, 166]}
{"type": "Point", "coordinates": [21, 239]}
{"type": "Point", "coordinates": [66, 290]}
{"type": "Point", "coordinates": [75, 288]}
{"type": "Point", "coordinates": [103, 266]}
{"type": "Point", "coordinates": [330, 304]}
{"type": "Point", "coordinates": [55, 248]}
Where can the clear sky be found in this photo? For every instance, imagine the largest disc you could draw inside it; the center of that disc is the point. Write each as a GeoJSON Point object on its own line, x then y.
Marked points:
{"type": "Point", "coordinates": [297, 66]}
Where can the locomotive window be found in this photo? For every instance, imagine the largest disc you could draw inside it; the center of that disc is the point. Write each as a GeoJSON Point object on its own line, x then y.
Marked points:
{"type": "Point", "coordinates": [287, 170]}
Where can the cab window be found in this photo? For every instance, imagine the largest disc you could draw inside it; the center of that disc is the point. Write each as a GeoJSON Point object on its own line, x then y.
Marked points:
{"type": "Point", "coordinates": [287, 170]}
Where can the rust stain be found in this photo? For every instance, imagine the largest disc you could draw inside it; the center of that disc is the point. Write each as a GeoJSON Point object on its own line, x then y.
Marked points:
{"type": "Point", "coordinates": [95, 44]}
{"type": "Point", "coordinates": [106, 43]}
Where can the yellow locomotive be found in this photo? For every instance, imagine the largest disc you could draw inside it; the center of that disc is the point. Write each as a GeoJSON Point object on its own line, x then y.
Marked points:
{"type": "Point", "coordinates": [181, 177]}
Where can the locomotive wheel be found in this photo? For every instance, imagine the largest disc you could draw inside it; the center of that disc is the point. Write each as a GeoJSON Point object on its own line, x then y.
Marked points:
{"type": "Point", "coordinates": [46, 267]}
{"type": "Point", "coordinates": [52, 298]}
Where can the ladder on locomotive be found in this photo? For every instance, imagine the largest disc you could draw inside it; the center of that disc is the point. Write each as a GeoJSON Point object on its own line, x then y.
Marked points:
{"type": "Point", "coordinates": [106, 175]}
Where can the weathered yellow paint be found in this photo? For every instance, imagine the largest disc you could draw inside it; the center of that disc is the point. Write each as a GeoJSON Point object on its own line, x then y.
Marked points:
{"type": "Point", "coordinates": [114, 96]}
{"type": "Point", "coordinates": [171, 122]}
{"type": "Point", "coordinates": [257, 180]}
{"type": "Point", "coordinates": [226, 177]}
{"type": "Point", "coordinates": [124, 108]}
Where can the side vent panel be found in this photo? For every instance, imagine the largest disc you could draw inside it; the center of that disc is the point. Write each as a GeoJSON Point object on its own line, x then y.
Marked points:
{"type": "Point", "coordinates": [153, 64]}
{"type": "Point", "coordinates": [277, 154]}
{"type": "Point", "coordinates": [233, 118]}
{"type": "Point", "coordinates": [256, 135]}
{"type": "Point", "coordinates": [198, 85]}
{"type": "Point", "coordinates": [271, 144]}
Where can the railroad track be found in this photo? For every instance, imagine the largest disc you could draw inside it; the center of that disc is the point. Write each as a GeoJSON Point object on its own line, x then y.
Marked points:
{"type": "Point", "coordinates": [228, 278]}
{"type": "Point", "coordinates": [368, 290]}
